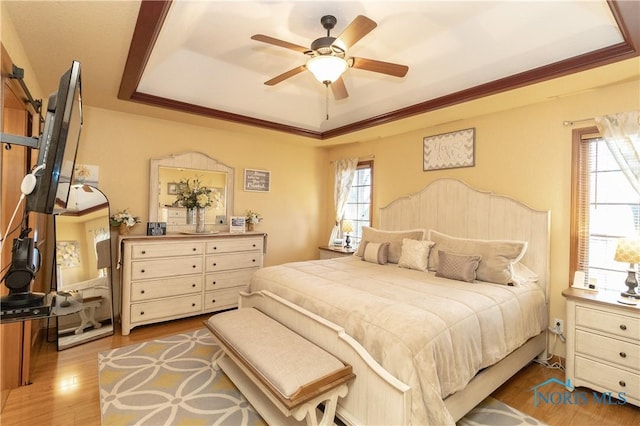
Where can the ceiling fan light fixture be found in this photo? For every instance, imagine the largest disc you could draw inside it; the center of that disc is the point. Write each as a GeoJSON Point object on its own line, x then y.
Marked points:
{"type": "Point", "coordinates": [327, 69]}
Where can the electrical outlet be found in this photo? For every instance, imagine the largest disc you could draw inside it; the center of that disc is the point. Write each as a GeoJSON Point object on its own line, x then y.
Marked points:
{"type": "Point", "coordinates": [558, 324]}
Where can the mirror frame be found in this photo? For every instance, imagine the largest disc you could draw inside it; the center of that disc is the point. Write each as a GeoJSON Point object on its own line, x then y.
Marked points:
{"type": "Point", "coordinates": [194, 161]}
{"type": "Point", "coordinates": [63, 340]}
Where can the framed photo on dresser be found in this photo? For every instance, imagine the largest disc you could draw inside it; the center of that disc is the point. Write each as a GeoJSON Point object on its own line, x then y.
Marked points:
{"type": "Point", "coordinates": [237, 224]}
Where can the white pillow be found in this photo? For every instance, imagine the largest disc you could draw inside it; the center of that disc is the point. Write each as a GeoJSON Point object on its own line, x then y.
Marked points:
{"type": "Point", "coordinates": [523, 275]}
{"type": "Point", "coordinates": [415, 254]}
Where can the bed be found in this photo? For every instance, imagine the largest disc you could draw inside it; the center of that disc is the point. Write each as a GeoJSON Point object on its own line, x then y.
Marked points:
{"type": "Point", "coordinates": [425, 348]}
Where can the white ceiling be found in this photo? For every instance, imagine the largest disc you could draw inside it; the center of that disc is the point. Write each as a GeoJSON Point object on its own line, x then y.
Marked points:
{"type": "Point", "coordinates": [204, 57]}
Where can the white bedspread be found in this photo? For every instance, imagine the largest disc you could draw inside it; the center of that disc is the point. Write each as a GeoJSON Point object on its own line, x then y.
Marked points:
{"type": "Point", "coordinates": [432, 333]}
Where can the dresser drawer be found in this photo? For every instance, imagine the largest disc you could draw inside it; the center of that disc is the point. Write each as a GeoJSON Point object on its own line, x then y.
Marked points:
{"type": "Point", "coordinates": [607, 349]}
{"type": "Point", "coordinates": [156, 309]}
{"type": "Point", "coordinates": [608, 322]}
{"type": "Point", "coordinates": [234, 244]}
{"type": "Point", "coordinates": [147, 251]}
{"type": "Point", "coordinates": [608, 378]}
{"type": "Point", "coordinates": [227, 261]}
{"type": "Point", "coordinates": [219, 280]}
{"type": "Point", "coordinates": [153, 289]}
{"type": "Point", "coordinates": [166, 267]}
{"type": "Point", "coordinates": [227, 298]}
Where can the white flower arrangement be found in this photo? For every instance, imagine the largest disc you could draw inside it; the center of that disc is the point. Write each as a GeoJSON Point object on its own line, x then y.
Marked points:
{"type": "Point", "coordinates": [253, 217]}
{"type": "Point", "coordinates": [125, 217]}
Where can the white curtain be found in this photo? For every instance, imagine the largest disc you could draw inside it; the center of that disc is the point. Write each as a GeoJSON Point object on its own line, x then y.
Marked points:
{"type": "Point", "coordinates": [621, 133]}
{"type": "Point", "coordinates": [345, 170]}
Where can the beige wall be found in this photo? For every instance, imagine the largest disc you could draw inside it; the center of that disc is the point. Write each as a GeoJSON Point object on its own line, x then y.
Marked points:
{"type": "Point", "coordinates": [122, 145]}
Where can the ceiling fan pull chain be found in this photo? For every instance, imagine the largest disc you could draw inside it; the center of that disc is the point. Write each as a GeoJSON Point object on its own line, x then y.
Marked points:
{"type": "Point", "coordinates": [326, 97]}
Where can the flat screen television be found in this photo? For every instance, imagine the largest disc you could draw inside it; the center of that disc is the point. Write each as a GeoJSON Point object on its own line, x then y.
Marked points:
{"type": "Point", "coordinates": [58, 145]}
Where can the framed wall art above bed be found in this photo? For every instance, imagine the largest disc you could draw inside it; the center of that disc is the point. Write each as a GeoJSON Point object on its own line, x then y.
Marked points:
{"type": "Point", "coordinates": [449, 150]}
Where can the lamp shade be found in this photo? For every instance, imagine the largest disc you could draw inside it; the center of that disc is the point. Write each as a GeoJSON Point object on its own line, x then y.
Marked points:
{"type": "Point", "coordinates": [347, 226]}
{"type": "Point", "coordinates": [326, 68]}
{"type": "Point", "coordinates": [628, 250]}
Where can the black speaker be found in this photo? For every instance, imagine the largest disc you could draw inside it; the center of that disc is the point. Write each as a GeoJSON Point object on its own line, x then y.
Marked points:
{"type": "Point", "coordinates": [25, 262]}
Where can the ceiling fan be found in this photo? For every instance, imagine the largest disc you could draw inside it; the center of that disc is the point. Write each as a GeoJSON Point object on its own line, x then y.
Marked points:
{"type": "Point", "coordinates": [329, 55]}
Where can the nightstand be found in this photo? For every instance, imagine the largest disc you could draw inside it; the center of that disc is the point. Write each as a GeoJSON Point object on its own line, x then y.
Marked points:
{"type": "Point", "coordinates": [603, 343]}
{"type": "Point", "coordinates": [330, 252]}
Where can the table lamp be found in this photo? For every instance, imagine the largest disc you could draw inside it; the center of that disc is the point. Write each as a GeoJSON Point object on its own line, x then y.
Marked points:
{"type": "Point", "coordinates": [628, 250]}
{"type": "Point", "coordinates": [347, 226]}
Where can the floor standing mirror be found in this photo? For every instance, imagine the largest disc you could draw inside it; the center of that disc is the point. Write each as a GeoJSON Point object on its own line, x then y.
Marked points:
{"type": "Point", "coordinates": [83, 268]}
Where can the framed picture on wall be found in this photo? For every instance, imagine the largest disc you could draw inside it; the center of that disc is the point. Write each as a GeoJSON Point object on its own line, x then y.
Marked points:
{"type": "Point", "coordinates": [449, 150]}
{"type": "Point", "coordinates": [257, 180]}
{"type": "Point", "coordinates": [172, 188]}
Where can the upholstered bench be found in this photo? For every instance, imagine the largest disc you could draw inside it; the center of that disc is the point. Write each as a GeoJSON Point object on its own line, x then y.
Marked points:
{"type": "Point", "coordinates": [269, 360]}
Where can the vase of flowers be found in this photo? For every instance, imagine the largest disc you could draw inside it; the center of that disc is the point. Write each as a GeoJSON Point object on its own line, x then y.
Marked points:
{"type": "Point", "coordinates": [123, 220]}
{"type": "Point", "coordinates": [251, 219]}
{"type": "Point", "coordinates": [196, 197]}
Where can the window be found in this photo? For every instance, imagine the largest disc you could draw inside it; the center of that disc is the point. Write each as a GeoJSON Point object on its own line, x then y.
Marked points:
{"type": "Point", "coordinates": [605, 207]}
{"type": "Point", "coordinates": [358, 208]}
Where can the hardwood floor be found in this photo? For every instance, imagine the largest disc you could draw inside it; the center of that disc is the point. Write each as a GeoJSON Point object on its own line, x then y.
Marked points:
{"type": "Point", "coordinates": [65, 387]}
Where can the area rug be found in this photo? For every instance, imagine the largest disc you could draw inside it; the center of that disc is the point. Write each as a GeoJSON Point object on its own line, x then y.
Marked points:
{"type": "Point", "coordinates": [170, 381]}
{"type": "Point", "coordinates": [495, 413]}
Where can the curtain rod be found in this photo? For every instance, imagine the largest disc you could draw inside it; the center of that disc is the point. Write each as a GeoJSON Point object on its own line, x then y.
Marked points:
{"type": "Point", "coordinates": [364, 157]}
{"type": "Point", "coordinates": [571, 122]}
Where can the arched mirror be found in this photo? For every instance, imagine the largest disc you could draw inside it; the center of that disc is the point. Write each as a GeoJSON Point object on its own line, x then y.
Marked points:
{"type": "Point", "coordinates": [168, 174]}
{"type": "Point", "coordinates": [83, 268]}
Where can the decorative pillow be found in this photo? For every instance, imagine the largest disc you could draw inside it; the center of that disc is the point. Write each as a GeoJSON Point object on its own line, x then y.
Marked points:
{"type": "Point", "coordinates": [523, 275]}
{"type": "Point", "coordinates": [415, 254]}
{"type": "Point", "coordinates": [457, 267]}
{"type": "Point", "coordinates": [497, 256]}
{"type": "Point", "coordinates": [375, 252]}
{"type": "Point", "coordinates": [394, 238]}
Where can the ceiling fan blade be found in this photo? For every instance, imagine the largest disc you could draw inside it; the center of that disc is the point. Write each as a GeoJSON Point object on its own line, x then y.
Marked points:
{"type": "Point", "coordinates": [276, 42]}
{"type": "Point", "coordinates": [358, 28]}
{"type": "Point", "coordinates": [285, 75]}
{"type": "Point", "coordinates": [87, 188]}
{"type": "Point", "coordinates": [339, 90]}
{"type": "Point", "coordinates": [389, 68]}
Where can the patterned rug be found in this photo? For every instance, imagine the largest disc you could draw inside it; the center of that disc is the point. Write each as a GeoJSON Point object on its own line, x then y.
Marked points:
{"type": "Point", "coordinates": [170, 381]}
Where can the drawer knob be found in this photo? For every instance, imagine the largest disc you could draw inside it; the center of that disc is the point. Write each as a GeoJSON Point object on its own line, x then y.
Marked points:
{"type": "Point", "coordinates": [194, 249]}
{"type": "Point", "coordinates": [141, 291]}
{"type": "Point", "coordinates": [193, 285]}
{"type": "Point", "coordinates": [253, 260]}
{"type": "Point", "coordinates": [215, 264]}
{"type": "Point", "coordinates": [144, 252]}
{"type": "Point", "coordinates": [214, 283]}
{"type": "Point", "coordinates": [193, 304]}
{"type": "Point", "coordinates": [215, 248]}
{"type": "Point", "coordinates": [623, 355]}
{"type": "Point", "coordinates": [623, 327]}
{"type": "Point", "coordinates": [622, 383]}
{"type": "Point", "coordinates": [254, 245]}
{"type": "Point", "coordinates": [194, 266]}
{"type": "Point", "coordinates": [142, 271]}
{"type": "Point", "coordinates": [213, 301]}
{"type": "Point", "coordinates": [142, 313]}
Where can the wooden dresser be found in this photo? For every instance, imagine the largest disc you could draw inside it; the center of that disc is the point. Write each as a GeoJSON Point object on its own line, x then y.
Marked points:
{"type": "Point", "coordinates": [175, 276]}
{"type": "Point", "coordinates": [603, 343]}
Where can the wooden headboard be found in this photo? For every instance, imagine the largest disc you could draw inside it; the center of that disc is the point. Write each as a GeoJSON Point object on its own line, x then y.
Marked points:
{"type": "Point", "coordinates": [454, 208]}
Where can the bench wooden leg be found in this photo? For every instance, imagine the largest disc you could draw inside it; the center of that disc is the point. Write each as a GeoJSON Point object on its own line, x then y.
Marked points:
{"type": "Point", "coordinates": [309, 410]}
